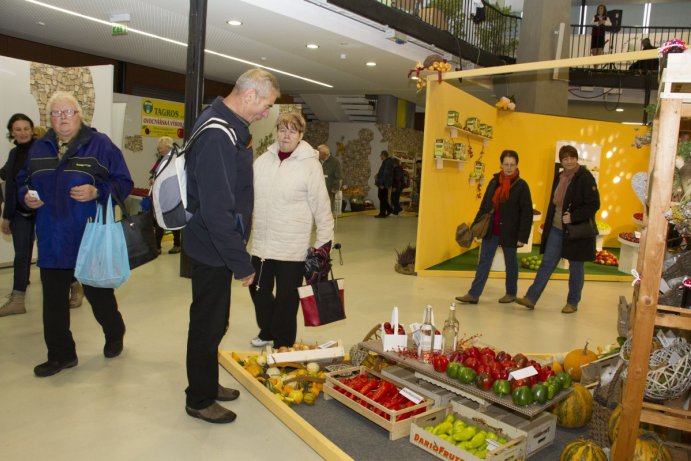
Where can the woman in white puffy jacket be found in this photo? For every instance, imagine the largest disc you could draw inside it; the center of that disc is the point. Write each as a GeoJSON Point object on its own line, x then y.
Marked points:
{"type": "Point", "coordinates": [290, 197]}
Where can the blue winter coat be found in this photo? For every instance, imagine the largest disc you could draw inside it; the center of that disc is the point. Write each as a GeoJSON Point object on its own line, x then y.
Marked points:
{"type": "Point", "coordinates": [93, 159]}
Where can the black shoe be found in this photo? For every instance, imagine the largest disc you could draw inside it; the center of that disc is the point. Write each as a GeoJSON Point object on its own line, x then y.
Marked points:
{"type": "Point", "coordinates": [214, 413]}
{"type": "Point", "coordinates": [52, 367]}
{"type": "Point", "coordinates": [226, 394]}
{"type": "Point", "coordinates": [175, 250]}
{"type": "Point", "coordinates": [112, 349]}
{"type": "Point", "coordinates": [381, 216]}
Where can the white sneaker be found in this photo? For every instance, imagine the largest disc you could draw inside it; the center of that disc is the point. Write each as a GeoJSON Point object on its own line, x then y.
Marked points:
{"type": "Point", "coordinates": [258, 342]}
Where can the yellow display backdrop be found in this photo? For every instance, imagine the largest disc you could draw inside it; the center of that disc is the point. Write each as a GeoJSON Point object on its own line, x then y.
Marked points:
{"type": "Point", "coordinates": [447, 199]}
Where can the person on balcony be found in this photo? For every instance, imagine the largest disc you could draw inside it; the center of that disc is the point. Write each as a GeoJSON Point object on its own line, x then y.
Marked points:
{"type": "Point", "coordinates": [646, 64]}
{"type": "Point", "coordinates": [597, 40]}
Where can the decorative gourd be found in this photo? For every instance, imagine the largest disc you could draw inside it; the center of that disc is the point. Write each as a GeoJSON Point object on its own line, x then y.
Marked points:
{"type": "Point", "coordinates": [648, 448]}
{"type": "Point", "coordinates": [556, 367]}
{"type": "Point", "coordinates": [576, 409]}
{"type": "Point", "coordinates": [582, 450]}
{"type": "Point", "coordinates": [613, 425]}
{"type": "Point", "coordinates": [577, 358]}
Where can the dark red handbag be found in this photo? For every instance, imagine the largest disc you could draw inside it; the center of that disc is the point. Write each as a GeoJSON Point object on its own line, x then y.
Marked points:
{"type": "Point", "coordinates": [322, 302]}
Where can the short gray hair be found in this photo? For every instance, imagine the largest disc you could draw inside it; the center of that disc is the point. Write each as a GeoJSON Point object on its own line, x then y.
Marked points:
{"type": "Point", "coordinates": [166, 141]}
{"type": "Point", "coordinates": [62, 96]}
{"type": "Point", "coordinates": [259, 79]}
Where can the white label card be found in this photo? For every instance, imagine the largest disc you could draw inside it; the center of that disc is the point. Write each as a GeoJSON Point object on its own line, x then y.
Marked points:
{"type": "Point", "coordinates": [410, 395]}
{"type": "Point", "coordinates": [492, 445]}
{"type": "Point", "coordinates": [523, 373]}
{"type": "Point", "coordinates": [674, 358]}
{"type": "Point", "coordinates": [327, 345]}
{"type": "Point", "coordinates": [664, 340]}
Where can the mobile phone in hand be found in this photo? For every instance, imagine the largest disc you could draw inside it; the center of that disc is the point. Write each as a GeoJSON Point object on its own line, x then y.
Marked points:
{"type": "Point", "coordinates": [34, 194]}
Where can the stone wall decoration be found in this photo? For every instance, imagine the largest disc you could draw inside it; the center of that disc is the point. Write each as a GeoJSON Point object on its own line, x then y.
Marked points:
{"type": "Point", "coordinates": [134, 143]}
{"type": "Point", "coordinates": [46, 80]}
{"type": "Point", "coordinates": [355, 161]}
{"type": "Point", "coordinates": [402, 139]}
{"type": "Point", "coordinates": [317, 133]}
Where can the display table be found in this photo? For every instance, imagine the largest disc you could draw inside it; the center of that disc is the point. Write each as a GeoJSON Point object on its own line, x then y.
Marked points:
{"type": "Point", "coordinates": [628, 255]}
{"type": "Point", "coordinates": [426, 372]}
{"type": "Point", "coordinates": [498, 264]}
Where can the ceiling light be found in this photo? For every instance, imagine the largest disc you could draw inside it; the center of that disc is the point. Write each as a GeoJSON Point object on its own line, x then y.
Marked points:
{"type": "Point", "coordinates": [234, 22]}
{"type": "Point", "coordinates": [619, 109]}
{"type": "Point", "coordinates": [370, 63]}
{"type": "Point", "coordinates": [312, 46]}
{"type": "Point", "coordinates": [175, 42]}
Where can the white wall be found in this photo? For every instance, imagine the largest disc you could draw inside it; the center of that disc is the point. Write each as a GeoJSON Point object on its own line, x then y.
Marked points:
{"type": "Point", "coordinates": [15, 96]}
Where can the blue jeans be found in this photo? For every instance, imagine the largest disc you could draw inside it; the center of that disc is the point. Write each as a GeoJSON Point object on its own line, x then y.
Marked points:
{"type": "Point", "coordinates": [23, 235]}
{"type": "Point", "coordinates": [487, 251]}
{"type": "Point", "coordinates": [549, 262]}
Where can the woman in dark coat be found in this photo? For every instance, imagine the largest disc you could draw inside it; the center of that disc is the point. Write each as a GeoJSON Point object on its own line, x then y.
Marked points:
{"type": "Point", "coordinates": [17, 221]}
{"type": "Point", "coordinates": [509, 196]}
{"type": "Point", "coordinates": [575, 198]}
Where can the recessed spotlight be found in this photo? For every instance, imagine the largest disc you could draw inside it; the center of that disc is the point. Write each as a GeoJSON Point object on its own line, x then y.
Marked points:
{"type": "Point", "coordinates": [619, 109]}
{"type": "Point", "coordinates": [370, 63]}
{"type": "Point", "coordinates": [234, 22]}
{"type": "Point", "coordinates": [312, 46]}
{"type": "Point", "coordinates": [41, 23]}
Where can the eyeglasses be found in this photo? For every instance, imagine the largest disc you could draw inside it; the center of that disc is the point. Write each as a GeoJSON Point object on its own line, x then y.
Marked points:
{"type": "Point", "coordinates": [509, 165]}
{"type": "Point", "coordinates": [66, 112]}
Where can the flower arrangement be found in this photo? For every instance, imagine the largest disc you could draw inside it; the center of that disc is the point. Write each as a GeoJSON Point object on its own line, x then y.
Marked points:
{"type": "Point", "coordinates": [433, 63]}
{"type": "Point", "coordinates": [355, 193]}
{"type": "Point", "coordinates": [505, 103]}
{"type": "Point", "coordinates": [680, 216]}
{"type": "Point", "coordinates": [672, 46]}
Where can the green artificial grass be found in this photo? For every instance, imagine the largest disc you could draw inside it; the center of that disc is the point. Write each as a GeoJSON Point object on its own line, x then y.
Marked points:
{"type": "Point", "coordinates": [468, 262]}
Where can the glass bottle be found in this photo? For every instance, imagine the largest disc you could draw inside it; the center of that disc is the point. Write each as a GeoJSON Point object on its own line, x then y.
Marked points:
{"type": "Point", "coordinates": [449, 335]}
{"type": "Point", "coordinates": [424, 350]}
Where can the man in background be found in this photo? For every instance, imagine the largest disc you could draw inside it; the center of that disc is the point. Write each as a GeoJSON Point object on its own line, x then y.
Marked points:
{"type": "Point", "coordinates": [220, 193]}
{"type": "Point", "coordinates": [333, 175]}
{"type": "Point", "coordinates": [383, 180]}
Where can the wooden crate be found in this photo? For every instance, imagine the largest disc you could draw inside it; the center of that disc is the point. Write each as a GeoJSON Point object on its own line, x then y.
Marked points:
{"type": "Point", "coordinates": [513, 450]}
{"type": "Point", "coordinates": [327, 355]}
{"type": "Point", "coordinates": [397, 428]}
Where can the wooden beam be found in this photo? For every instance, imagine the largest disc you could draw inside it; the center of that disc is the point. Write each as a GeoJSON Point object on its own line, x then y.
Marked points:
{"type": "Point", "coordinates": [312, 437]}
{"type": "Point", "coordinates": [665, 134]}
{"type": "Point", "coordinates": [547, 65]}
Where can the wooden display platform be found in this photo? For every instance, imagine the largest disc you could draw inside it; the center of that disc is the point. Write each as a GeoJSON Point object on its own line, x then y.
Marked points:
{"type": "Point", "coordinates": [312, 437]}
{"type": "Point", "coordinates": [427, 373]}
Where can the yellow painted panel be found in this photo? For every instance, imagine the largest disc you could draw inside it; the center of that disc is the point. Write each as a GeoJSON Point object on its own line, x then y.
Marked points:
{"type": "Point", "coordinates": [447, 198]}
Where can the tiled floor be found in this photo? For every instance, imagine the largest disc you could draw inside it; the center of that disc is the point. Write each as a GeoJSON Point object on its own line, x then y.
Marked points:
{"type": "Point", "coordinates": [132, 407]}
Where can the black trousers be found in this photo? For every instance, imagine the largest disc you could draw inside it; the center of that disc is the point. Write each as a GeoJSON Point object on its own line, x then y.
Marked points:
{"type": "Point", "coordinates": [56, 313]}
{"type": "Point", "coordinates": [384, 207]}
{"type": "Point", "coordinates": [209, 314]}
{"type": "Point", "coordinates": [277, 314]}
{"type": "Point", "coordinates": [159, 235]}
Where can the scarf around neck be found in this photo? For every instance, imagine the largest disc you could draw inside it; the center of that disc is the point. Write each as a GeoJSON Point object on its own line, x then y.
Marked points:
{"type": "Point", "coordinates": [501, 194]}
{"type": "Point", "coordinates": [564, 180]}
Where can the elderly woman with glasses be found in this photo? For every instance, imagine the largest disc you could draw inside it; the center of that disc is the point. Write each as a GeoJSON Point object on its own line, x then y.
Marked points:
{"type": "Point", "coordinates": [508, 199]}
{"type": "Point", "coordinates": [290, 197]}
{"type": "Point", "coordinates": [69, 170]}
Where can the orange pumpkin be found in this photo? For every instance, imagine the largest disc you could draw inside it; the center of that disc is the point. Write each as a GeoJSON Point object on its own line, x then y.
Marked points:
{"type": "Point", "coordinates": [575, 359]}
{"type": "Point", "coordinates": [556, 367]}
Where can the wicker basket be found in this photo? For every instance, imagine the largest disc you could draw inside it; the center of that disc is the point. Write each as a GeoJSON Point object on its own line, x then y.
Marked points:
{"type": "Point", "coordinates": [605, 400]}
{"type": "Point", "coordinates": [669, 381]}
{"type": "Point", "coordinates": [625, 351]}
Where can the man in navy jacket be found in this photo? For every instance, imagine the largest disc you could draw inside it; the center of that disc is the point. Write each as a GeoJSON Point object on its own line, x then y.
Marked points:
{"type": "Point", "coordinates": [220, 196]}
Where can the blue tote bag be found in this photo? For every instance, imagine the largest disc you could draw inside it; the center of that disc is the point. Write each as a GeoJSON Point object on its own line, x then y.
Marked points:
{"type": "Point", "coordinates": [102, 260]}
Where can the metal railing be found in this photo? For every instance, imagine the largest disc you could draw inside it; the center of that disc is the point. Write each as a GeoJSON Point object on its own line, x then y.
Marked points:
{"type": "Point", "coordinates": [490, 29]}
{"type": "Point", "coordinates": [626, 38]}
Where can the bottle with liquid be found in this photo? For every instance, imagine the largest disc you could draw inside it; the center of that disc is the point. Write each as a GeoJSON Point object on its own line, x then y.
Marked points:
{"type": "Point", "coordinates": [449, 335]}
{"type": "Point", "coordinates": [424, 350]}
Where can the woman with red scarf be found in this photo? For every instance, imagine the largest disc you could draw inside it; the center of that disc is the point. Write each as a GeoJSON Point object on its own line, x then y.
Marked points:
{"type": "Point", "coordinates": [508, 199]}
{"type": "Point", "coordinates": [575, 199]}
